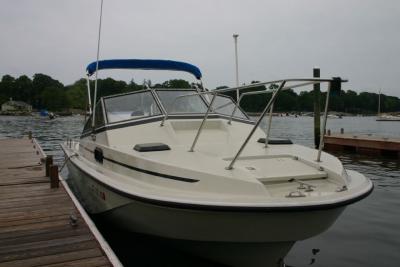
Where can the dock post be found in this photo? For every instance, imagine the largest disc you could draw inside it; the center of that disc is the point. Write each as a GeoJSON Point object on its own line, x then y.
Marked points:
{"type": "Point", "coordinates": [54, 176]}
{"type": "Point", "coordinates": [317, 112]}
{"type": "Point", "coordinates": [30, 135]}
{"type": "Point", "coordinates": [341, 131]}
{"type": "Point", "coordinates": [49, 162]}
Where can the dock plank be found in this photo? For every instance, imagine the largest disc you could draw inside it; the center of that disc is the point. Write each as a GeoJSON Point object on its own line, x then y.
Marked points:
{"type": "Point", "coordinates": [55, 258]}
{"type": "Point", "coordinates": [363, 144]}
{"type": "Point", "coordinates": [35, 227]}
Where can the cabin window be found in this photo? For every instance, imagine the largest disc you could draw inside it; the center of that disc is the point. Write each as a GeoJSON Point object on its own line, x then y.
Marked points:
{"type": "Point", "coordinates": [173, 101]}
{"type": "Point", "coordinates": [99, 116]}
{"type": "Point", "coordinates": [225, 105]}
{"type": "Point", "coordinates": [88, 125]}
{"type": "Point", "coordinates": [131, 106]}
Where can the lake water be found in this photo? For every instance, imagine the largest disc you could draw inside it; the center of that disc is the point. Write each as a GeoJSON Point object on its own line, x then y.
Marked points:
{"type": "Point", "coordinates": [367, 234]}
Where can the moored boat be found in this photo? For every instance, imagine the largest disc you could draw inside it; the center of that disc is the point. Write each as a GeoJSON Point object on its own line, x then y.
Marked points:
{"type": "Point", "coordinates": [189, 165]}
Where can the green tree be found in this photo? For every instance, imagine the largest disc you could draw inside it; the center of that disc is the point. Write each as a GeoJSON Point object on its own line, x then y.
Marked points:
{"type": "Point", "coordinates": [23, 89]}
{"type": "Point", "coordinates": [7, 87]}
{"type": "Point", "coordinates": [132, 86]}
{"type": "Point", "coordinates": [176, 83]}
{"type": "Point", "coordinates": [39, 83]}
{"type": "Point", "coordinates": [54, 98]}
{"type": "Point", "coordinates": [77, 94]}
{"type": "Point", "coordinates": [107, 87]}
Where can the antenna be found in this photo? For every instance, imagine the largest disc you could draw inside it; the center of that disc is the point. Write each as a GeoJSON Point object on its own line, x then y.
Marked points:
{"type": "Point", "coordinates": [235, 36]}
{"type": "Point", "coordinates": [97, 66]}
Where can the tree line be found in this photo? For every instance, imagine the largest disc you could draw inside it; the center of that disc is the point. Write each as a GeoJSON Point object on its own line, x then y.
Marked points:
{"type": "Point", "coordinates": [42, 91]}
{"type": "Point", "coordinates": [290, 101]}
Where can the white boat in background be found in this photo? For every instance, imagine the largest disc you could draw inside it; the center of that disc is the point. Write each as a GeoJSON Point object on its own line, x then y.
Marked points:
{"type": "Point", "coordinates": [383, 116]}
{"type": "Point", "coordinates": [387, 117]}
{"type": "Point", "coordinates": [190, 165]}
{"type": "Point", "coordinates": [334, 116]}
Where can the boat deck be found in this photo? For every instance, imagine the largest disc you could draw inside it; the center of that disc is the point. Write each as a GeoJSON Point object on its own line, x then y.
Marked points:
{"type": "Point", "coordinates": [35, 220]}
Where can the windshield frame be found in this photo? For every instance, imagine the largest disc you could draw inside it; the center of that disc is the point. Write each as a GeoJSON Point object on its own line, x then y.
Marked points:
{"type": "Point", "coordinates": [155, 98]}
{"type": "Point", "coordinates": [194, 91]}
{"type": "Point", "coordinates": [239, 108]}
{"type": "Point", "coordinates": [162, 108]}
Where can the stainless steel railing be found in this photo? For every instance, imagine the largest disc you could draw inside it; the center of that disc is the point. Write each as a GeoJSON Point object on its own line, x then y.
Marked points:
{"type": "Point", "coordinates": [269, 107]}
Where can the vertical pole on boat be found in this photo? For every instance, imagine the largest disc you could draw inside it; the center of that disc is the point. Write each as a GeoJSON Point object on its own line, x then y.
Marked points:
{"type": "Point", "coordinates": [89, 99]}
{"type": "Point", "coordinates": [235, 36]}
{"type": "Point", "coordinates": [97, 66]}
{"type": "Point", "coordinates": [321, 141]}
{"type": "Point", "coordinates": [317, 112]}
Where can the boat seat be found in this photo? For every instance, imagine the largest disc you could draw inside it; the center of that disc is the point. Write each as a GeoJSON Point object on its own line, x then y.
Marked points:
{"type": "Point", "coordinates": [276, 141]}
{"type": "Point", "coordinates": [149, 147]}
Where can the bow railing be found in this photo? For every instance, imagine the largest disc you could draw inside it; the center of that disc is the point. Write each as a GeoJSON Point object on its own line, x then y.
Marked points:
{"type": "Point", "coordinates": [334, 84]}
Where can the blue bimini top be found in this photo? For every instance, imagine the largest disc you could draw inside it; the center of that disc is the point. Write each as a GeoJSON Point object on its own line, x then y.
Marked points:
{"type": "Point", "coordinates": [147, 64]}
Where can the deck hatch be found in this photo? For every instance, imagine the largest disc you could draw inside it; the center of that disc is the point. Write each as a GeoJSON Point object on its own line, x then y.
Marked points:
{"type": "Point", "coordinates": [149, 147]}
{"type": "Point", "coordinates": [277, 141]}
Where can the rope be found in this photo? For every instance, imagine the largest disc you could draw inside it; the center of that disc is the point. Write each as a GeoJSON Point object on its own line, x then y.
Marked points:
{"type": "Point", "coordinates": [65, 162]}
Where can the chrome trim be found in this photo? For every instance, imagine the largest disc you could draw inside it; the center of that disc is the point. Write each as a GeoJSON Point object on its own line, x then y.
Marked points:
{"type": "Point", "coordinates": [202, 123]}
{"type": "Point", "coordinates": [272, 100]}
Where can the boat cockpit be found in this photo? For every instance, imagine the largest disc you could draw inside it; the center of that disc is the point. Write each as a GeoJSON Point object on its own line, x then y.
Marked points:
{"type": "Point", "coordinates": [159, 104]}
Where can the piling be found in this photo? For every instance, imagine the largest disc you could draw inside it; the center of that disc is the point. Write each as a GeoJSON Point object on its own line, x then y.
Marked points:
{"type": "Point", "coordinates": [54, 179]}
{"type": "Point", "coordinates": [49, 162]}
{"type": "Point", "coordinates": [317, 111]}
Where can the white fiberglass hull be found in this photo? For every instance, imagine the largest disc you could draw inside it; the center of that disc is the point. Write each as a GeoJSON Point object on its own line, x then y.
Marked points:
{"type": "Point", "coordinates": [239, 238]}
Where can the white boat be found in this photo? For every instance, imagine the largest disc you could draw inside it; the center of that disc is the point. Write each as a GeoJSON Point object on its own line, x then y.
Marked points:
{"type": "Point", "coordinates": [383, 116]}
{"type": "Point", "coordinates": [333, 116]}
{"type": "Point", "coordinates": [386, 117]}
{"type": "Point", "coordinates": [190, 166]}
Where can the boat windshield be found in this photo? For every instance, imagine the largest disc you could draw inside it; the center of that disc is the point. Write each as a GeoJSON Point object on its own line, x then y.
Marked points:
{"type": "Point", "coordinates": [131, 106]}
{"type": "Point", "coordinates": [225, 105]}
{"type": "Point", "coordinates": [173, 103]}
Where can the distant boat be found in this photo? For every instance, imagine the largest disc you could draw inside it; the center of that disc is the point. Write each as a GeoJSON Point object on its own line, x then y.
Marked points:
{"type": "Point", "coordinates": [385, 117]}
{"type": "Point", "coordinates": [44, 113]}
{"type": "Point", "coordinates": [333, 116]}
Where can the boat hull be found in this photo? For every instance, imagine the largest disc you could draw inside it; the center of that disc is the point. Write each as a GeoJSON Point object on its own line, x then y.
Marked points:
{"type": "Point", "coordinates": [240, 238]}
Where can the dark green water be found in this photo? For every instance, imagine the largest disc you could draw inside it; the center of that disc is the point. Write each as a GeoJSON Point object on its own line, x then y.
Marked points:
{"type": "Point", "coordinates": [367, 233]}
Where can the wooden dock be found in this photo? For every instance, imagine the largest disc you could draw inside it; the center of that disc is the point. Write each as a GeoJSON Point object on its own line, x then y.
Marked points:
{"type": "Point", "coordinates": [39, 225]}
{"type": "Point", "coordinates": [363, 144]}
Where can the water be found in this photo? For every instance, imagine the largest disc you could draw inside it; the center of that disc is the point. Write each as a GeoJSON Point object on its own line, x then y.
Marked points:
{"type": "Point", "coordinates": [367, 234]}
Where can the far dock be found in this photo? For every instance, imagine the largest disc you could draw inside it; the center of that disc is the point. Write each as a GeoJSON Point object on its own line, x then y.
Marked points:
{"type": "Point", "coordinates": [41, 223]}
{"type": "Point", "coordinates": [363, 144]}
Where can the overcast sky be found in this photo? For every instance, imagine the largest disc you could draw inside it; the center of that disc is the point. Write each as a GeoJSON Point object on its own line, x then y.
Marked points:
{"type": "Point", "coordinates": [355, 39]}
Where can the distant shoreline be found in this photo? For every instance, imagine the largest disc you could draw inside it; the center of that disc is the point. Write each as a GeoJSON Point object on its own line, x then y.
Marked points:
{"type": "Point", "coordinates": [34, 113]}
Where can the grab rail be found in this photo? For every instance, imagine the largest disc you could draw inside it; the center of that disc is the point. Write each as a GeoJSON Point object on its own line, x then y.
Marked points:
{"type": "Point", "coordinates": [332, 83]}
{"type": "Point", "coordinates": [240, 99]}
{"type": "Point", "coordinates": [271, 101]}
